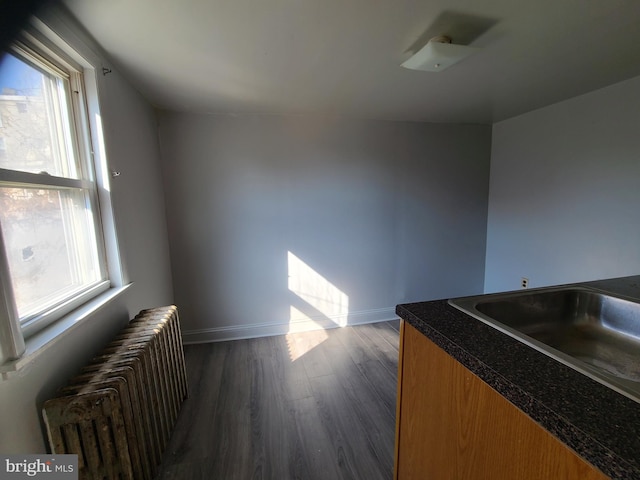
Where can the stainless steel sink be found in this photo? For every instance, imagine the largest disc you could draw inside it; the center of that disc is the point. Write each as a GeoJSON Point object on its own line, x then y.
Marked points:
{"type": "Point", "coordinates": [593, 332]}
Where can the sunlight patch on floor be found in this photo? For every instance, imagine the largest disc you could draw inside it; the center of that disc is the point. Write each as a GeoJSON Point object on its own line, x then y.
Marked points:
{"type": "Point", "coordinates": [302, 342]}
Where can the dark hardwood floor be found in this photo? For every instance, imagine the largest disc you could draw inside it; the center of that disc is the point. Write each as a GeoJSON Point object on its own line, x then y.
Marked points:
{"type": "Point", "coordinates": [315, 405]}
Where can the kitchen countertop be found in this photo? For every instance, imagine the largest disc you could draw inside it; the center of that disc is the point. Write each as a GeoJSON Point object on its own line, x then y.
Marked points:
{"type": "Point", "coordinates": [601, 425]}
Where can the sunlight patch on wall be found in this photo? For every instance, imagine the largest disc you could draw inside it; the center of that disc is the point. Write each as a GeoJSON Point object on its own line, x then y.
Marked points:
{"type": "Point", "coordinates": [300, 321]}
{"type": "Point", "coordinates": [323, 298]}
{"type": "Point", "coordinates": [101, 151]}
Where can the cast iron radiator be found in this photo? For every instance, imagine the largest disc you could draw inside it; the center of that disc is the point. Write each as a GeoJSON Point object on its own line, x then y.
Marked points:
{"type": "Point", "coordinates": [118, 413]}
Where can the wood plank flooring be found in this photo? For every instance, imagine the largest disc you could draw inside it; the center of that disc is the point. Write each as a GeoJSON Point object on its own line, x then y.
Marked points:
{"type": "Point", "coordinates": [310, 406]}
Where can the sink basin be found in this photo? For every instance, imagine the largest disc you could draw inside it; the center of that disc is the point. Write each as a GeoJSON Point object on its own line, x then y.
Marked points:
{"type": "Point", "coordinates": [591, 331]}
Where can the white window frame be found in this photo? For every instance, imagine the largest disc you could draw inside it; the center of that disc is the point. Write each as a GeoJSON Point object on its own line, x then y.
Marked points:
{"type": "Point", "coordinates": [42, 329]}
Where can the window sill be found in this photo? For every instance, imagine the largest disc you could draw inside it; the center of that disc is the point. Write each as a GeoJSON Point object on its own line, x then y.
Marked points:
{"type": "Point", "coordinates": [48, 337]}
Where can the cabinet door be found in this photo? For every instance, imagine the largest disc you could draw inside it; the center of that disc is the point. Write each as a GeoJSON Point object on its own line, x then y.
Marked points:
{"type": "Point", "coordinates": [452, 425]}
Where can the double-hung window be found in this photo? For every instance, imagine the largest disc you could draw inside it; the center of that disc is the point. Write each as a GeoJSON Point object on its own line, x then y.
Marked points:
{"type": "Point", "coordinates": [52, 246]}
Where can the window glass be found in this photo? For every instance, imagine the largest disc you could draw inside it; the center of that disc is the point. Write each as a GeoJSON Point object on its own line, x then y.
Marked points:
{"type": "Point", "coordinates": [37, 130]}
{"type": "Point", "coordinates": [50, 245]}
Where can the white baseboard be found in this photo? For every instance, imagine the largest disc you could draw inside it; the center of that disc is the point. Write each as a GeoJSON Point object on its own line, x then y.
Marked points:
{"type": "Point", "coordinates": [238, 332]}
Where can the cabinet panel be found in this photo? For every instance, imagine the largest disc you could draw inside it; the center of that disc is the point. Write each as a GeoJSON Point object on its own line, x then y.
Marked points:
{"type": "Point", "coordinates": [452, 425]}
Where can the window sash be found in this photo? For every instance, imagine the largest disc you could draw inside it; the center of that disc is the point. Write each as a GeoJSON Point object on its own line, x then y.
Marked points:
{"type": "Point", "coordinates": [51, 246]}
{"type": "Point", "coordinates": [16, 178]}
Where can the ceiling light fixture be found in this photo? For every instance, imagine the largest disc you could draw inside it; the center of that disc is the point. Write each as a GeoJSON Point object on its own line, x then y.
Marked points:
{"type": "Point", "coordinates": [438, 54]}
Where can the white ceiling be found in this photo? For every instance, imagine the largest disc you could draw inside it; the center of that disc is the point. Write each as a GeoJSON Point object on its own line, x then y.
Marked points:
{"type": "Point", "coordinates": [343, 56]}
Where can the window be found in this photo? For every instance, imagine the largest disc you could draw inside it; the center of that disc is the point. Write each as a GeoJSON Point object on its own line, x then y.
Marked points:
{"type": "Point", "coordinates": [52, 239]}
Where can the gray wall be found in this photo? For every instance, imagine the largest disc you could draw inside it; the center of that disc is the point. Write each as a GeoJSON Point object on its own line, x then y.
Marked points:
{"type": "Point", "coordinates": [138, 202]}
{"type": "Point", "coordinates": [380, 212]}
{"type": "Point", "coordinates": [564, 201]}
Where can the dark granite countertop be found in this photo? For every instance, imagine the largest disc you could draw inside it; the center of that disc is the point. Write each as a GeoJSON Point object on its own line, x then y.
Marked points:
{"type": "Point", "coordinates": [601, 425]}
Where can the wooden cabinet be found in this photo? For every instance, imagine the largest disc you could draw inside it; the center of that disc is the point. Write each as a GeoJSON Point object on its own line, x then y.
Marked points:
{"type": "Point", "coordinates": [452, 425]}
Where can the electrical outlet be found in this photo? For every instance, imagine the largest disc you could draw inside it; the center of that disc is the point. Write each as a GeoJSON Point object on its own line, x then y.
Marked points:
{"type": "Point", "coordinates": [524, 282]}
